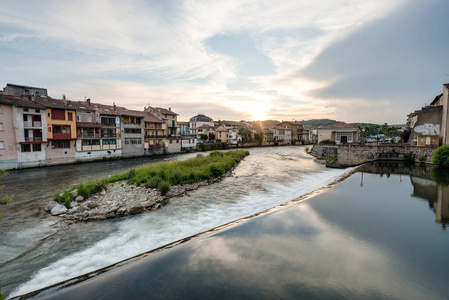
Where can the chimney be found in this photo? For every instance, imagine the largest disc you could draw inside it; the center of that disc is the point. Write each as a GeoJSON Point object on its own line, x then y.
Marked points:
{"type": "Point", "coordinates": [63, 97]}
{"type": "Point", "coordinates": [88, 101]}
{"type": "Point", "coordinates": [169, 108]}
{"type": "Point", "coordinates": [115, 107]}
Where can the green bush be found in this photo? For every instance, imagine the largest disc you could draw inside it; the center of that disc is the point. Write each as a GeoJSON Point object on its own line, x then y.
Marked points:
{"type": "Point", "coordinates": [327, 142]}
{"type": "Point", "coordinates": [67, 203]}
{"type": "Point", "coordinates": [132, 173]}
{"type": "Point", "coordinates": [202, 147]}
{"type": "Point", "coordinates": [154, 182]}
{"type": "Point", "coordinates": [216, 170]}
{"type": "Point", "coordinates": [164, 188]}
{"type": "Point", "coordinates": [441, 156]}
{"type": "Point", "coordinates": [422, 158]}
{"type": "Point", "coordinates": [410, 156]}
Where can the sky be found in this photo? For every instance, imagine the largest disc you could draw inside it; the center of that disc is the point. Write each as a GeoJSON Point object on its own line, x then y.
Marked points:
{"type": "Point", "coordinates": [350, 60]}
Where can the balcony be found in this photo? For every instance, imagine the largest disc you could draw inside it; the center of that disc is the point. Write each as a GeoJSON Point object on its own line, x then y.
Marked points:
{"type": "Point", "coordinates": [154, 136]}
{"type": "Point", "coordinates": [108, 124]}
{"type": "Point", "coordinates": [89, 136]}
{"type": "Point", "coordinates": [62, 136]}
{"type": "Point", "coordinates": [112, 135]}
{"type": "Point", "coordinates": [32, 124]}
{"type": "Point", "coordinates": [33, 139]}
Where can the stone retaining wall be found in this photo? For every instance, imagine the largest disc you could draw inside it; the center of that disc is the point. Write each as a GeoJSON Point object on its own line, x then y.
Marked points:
{"type": "Point", "coordinates": [353, 155]}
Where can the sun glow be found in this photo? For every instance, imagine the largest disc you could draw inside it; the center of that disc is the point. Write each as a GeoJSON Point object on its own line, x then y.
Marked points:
{"type": "Point", "coordinates": [259, 112]}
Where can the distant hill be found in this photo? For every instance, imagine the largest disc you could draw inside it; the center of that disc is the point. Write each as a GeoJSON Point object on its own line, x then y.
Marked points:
{"type": "Point", "coordinates": [318, 122]}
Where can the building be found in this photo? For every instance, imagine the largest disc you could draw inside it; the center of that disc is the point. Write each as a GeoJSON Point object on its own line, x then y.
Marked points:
{"type": "Point", "coordinates": [183, 128]}
{"type": "Point", "coordinates": [425, 124]}
{"type": "Point", "coordinates": [22, 90]}
{"type": "Point", "coordinates": [132, 132]}
{"type": "Point", "coordinates": [108, 117]}
{"type": "Point", "coordinates": [222, 135]}
{"type": "Point", "coordinates": [198, 121]}
{"type": "Point", "coordinates": [445, 115]}
{"type": "Point", "coordinates": [61, 129]}
{"type": "Point", "coordinates": [282, 135]}
{"type": "Point", "coordinates": [170, 117]}
{"type": "Point", "coordinates": [155, 133]}
{"type": "Point", "coordinates": [23, 135]}
{"type": "Point", "coordinates": [297, 130]}
{"type": "Point", "coordinates": [188, 142]}
{"type": "Point", "coordinates": [341, 133]}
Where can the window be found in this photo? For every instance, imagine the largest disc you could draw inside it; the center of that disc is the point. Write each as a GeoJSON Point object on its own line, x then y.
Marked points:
{"type": "Point", "coordinates": [126, 120]}
{"type": "Point", "coordinates": [1, 126]}
{"type": "Point", "coordinates": [37, 110]}
{"type": "Point", "coordinates": [56, 129]}
{"type": "Point", "coordinates": [61, 144]}
{"type": "Point", "coordinates": [78, 118]}
{"type": "Point", "coordinates": [65, 129]}
{"type": "Point", "coordinates": [171, 141]}
{"type": "Point", "coordinates": [86, 142]}
{"type": "Point", "coordinates": [37, 148]}
{"type": "Point", "coordinates": [49, 129]}
{"type": "Point", "coordinates": [95, 142]}
{"type": "Point", "coordinates": [70, 116]}
{"type": "Point", "coordinates": [26, 147]}
{"type": "Point", "coordinates": [2, 145]}
{"type": "Point", "coordinates": [133, 141]}
{"type": "Point", "coordinates": [112, 142]}
{"type": "Point", "coordinates": [57, 114]}
{"type": "Point", "coordinates": [105, 142]}
{"type": "Point", "coordinates": [25, 109]}
{"type": "Point", "coordinates": [133, 130]}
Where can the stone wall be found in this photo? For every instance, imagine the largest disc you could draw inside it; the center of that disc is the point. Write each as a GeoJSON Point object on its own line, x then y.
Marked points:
{"type": "Point", "coordinates": [353, 155]}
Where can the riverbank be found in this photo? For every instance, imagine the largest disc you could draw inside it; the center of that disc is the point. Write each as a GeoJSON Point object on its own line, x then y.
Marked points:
{"type": "Point", "coordinates": [145, 189]}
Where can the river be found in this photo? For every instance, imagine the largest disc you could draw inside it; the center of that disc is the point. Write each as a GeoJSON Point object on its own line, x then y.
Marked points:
{"type": "Point", "coordinates": [38, 250]}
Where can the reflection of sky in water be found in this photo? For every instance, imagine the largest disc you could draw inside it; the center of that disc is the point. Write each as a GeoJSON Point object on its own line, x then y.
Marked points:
{"type": "Point", "coordinates": [356, 242]}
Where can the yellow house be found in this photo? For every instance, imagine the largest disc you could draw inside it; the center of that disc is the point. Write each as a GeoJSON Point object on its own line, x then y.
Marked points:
{"type": "Point", "coordinates": [170, 118]}
{"type": "Point", "coordinates": [222, 134]}
{"type": "Point", "coordinates": [155, 131]}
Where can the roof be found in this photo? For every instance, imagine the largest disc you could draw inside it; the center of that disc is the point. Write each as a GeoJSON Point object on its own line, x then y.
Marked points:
{"type": "Point", "coordinates": [61, 104]}
{"type": "Point", "coordinates": [339, 126]}
{"type": "Point", "coordinates": [105, 109]}
{"type": "Point", "coordinates": [25, 86]}
{"type": "Point", "coordinates": [167, 111]}
{"type": "Point", "coordinates": [205, 126]}
{"type": "Point", "coordinates": [222, 129]}
{"type": "Point", "coordinates": [19, 102]}
{"type": "Point", "coordinates": [183, 123]}
{"type": "Point", "coordinates": [280, 127]}
{"type": "Point", "coordinates": [150, 118]}
{"type": "Point", "coordinates": [233, 123]}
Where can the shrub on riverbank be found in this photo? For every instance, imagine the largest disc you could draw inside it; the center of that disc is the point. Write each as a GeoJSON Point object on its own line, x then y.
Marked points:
{"type": "Point", "coordinates": [165, 174]}
{"type": "Point", "coordinates": [327, 142]}
{"type": "Point", "coordinates": [441, 156]}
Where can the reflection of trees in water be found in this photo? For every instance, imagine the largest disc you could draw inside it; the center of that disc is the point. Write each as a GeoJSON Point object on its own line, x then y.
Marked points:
{"type": "Point", "coordinates": [429, 182]}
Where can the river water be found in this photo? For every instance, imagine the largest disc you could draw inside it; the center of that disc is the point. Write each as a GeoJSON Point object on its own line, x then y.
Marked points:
{"type": "Point", "coordinates": [36, 250]}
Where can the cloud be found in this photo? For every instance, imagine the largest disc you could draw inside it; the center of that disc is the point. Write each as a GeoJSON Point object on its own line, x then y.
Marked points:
{"type": "Point", "coordinates": [164, 51]}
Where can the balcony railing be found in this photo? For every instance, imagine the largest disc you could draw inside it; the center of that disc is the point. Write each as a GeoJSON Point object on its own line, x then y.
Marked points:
{"type": "Point", "coordinates": [155, 145]}
{"type": "Point", "coordinates": [113, 135]}
{"type": "Point", "coordinates": [33, 139]}
{"type": "Point", "coordinates": [89, 136]}
{"type": "Point", "coordinates": [154, 136]}
{"type": "Point", "coordinates": [32, 124]}
{"type": "Point", "coordinates": [62, 136]}
{"type": "Point", "coordinates": [108, 124]}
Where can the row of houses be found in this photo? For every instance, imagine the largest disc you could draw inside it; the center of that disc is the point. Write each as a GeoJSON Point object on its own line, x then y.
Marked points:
{"type": "Point", "coordinates": [37, 130]}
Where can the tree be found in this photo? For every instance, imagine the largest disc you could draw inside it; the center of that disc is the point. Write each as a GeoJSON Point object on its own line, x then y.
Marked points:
{"type": "Point", "coordinates": [203, 136]}
{"type": "Point", "coordinates": [246, 134]}
{"type": "Point", "coordinates": [259, 138]}
{"type": "Point", "coordinates": [4, 198]}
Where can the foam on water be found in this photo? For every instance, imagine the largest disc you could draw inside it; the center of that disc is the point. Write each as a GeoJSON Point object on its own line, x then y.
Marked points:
{"type": "Point", "coordinates": [261, 182]}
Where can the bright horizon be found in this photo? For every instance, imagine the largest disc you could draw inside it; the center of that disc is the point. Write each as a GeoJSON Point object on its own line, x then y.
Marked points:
{"type": "Point", "coordinates": [353, 61]}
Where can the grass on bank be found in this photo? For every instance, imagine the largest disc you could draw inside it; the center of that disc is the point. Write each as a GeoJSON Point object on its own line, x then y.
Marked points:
{"type": "Point", "coordinates": [164, 174]}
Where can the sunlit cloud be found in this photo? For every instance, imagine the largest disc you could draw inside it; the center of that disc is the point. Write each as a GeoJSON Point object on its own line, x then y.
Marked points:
{"type": "Point", "coordinates": [142, 52]}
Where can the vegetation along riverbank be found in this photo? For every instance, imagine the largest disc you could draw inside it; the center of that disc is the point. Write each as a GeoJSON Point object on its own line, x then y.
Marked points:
{"type": "Point", "coordinates": [143, 189]}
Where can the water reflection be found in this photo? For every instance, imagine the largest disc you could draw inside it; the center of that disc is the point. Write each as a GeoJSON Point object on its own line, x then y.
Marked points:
{"type": "Point", "coordinates": [429, 183]}
{"type": "Point", "coordinates": [374, 240]}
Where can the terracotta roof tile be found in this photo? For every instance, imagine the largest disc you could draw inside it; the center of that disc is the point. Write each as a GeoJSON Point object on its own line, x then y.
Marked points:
{"type": "Point", "coordinates": [19, 102]}
{"type": "Point", "coordinates": [150, 118]}
{"type": "Point", "coordinates": [338, 126]}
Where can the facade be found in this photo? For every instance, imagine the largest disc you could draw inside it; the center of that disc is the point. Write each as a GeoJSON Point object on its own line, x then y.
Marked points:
{"type": "Point", "coordinates": [188, 142]}
{"type": "Point", "coordinates": [155, 133]}
{"type": "Point", "coordinates": [341, 133]}
{"type": "Point", "coordinates": [109, 120]}
{"type": "Point", "coordinates": [61, 129]}
{"type": "Point", "coordinates": [132, 131]}
{"type": "Point", "coordinates": [170, 118]}
{"type": "Point", "coordinates": [198, 121]}
{"type": "Point", "coordinates": [222, 135]}
{"type": "Point", "coordinates": [173, 144]}
{"type": "Point", "coordinates": [22, 90]}
{"type": "Point", "coordinates": [282, 135]}
{"type": "Point", "coordinates": [8, 148]}
{"type": "Point", "coordinates": [297, 130]}
{"type": "Point", "coordinates": [183, 128]}
{"type": "Point", "coordinates": [445, 115]}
